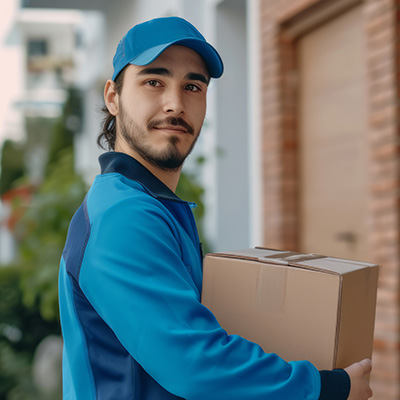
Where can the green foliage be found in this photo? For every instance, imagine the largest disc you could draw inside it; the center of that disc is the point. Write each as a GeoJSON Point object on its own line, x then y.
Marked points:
{"type": "Point", "coordinates": [190, 189]}
{"type": "Point", "coordinates": [39, 132]}
{"type": "Point", "coordinates": [28, 288]}
{"type": "Point", "coordinates": [21, 329]}
{"type": "Point", "coordinates": [42, 231]}
{"type": "Point", "coordinates": [65, 128]}
{"type": "Point", "coordinates": [12, 164]}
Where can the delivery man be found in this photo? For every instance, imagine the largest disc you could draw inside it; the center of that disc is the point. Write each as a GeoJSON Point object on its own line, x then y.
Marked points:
{"type": "Point", "coordinates": [131, 271]}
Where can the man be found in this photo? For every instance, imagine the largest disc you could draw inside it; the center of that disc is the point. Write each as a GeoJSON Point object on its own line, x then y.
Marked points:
{"type": "Point", "coordinates": [131, 271]}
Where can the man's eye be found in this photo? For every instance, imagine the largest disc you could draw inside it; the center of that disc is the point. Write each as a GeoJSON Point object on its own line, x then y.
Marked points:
{"type": "Point", "coordinates": [192, 87]}
{"type": "Point", "coordinates": [153, 83]}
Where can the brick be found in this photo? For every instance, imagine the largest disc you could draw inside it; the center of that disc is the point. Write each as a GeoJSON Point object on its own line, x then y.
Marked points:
{"type": "Point", "coordinates": [271, 91]}
{"type": "Point", "coordinates": [378, 8]}
{"type": "Point", "coordinates": [389, 260]}
{"type": "Point", "coordinates": [271, 60]}
{"type": "Point", "coordinates": [384, 391]}
{"type": "Point", "coordinates": [377, 57]}
{"type": "Point", "coordinates": [381, 38]}
{"type": "Point", "coordinates": [270, 44]}
{"type": "Point", "coordinates": [387, 168]}
{"type": "Point", "coordinates": [292, 8]}
{"type": "Point", "coordinates": [271, 83]}
{"type": "Point", "coordinates": [388, 252]}
{"type": "Point", "coordinates": [382, 239]}
{"type": "Point", "coordinates": [389, 314]}
{"type": "Point", "coordinates": [375, 24]}
{"type": "Point", "coordinates": [382, 98]}
{"type": "Point", "coordinates": [385, 203]}
{"type": "Point", "coordinates": [385, 185]}
{"type": "Point", "coordinates": [382, 134]}
{"type": "Point", "coordinates": [382, 84]}
{"type": "Point", "coordinates": [385, 151]}
{"type": "Point", "coordinates": [384, 62]}
{"type": "Point", "coordinates": [383, 224]}
{"type": "Point", "coordinates": [386, 298]}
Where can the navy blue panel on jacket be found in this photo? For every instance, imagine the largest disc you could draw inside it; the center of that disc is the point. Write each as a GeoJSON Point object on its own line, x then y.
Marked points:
{"type": "Point", "coordinates": [131, 314]}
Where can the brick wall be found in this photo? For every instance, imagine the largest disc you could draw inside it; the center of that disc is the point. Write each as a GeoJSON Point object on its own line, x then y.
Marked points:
{"type": "Point", "coordinates": [382, 38]}
{"type": "Point", "coordinates": [280, 180]}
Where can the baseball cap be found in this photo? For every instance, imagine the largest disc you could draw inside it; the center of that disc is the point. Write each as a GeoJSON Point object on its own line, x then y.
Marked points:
{"type": "Point", "coordinates": [146, 41]}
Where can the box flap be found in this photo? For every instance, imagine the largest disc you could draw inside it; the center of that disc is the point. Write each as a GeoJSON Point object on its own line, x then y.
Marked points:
{"type": "Point", "coordinates": [249, 254]}
{"type": "Point", "coordinates": [316, 262]}
{"type": "Point", "coordinates": [338, 265]}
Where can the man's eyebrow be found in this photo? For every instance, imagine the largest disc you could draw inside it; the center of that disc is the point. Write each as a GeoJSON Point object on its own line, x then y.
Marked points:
{"type": "Point", "coordinates": [166, 72]}
{"type": "Point", "coordinates": [197, 77]}
{"type": "Point", "coordinates": [155, 71]}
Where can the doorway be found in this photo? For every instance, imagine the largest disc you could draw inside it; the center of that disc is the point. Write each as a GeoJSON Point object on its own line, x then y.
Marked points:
{"type": "Point", "coordinates": [333, 130]}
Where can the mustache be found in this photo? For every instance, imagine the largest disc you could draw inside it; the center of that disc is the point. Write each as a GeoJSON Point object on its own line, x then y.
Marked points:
{"type": "Point", "coordinates": [173, 121]}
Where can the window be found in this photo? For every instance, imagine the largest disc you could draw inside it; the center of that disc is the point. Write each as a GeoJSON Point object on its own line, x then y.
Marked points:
{"type": "Point", "coordinates": [37, 47]}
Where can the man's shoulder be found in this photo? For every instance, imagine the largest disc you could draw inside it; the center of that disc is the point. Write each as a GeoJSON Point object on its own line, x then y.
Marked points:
{"type": "Point", "coordinates": [116, 196]}
{"type": "Point", "coordinates": [115, 187]}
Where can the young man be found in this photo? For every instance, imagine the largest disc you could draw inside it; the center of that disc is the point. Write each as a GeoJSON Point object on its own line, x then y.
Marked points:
{"type": "Point", "coordinates": [131, 271]}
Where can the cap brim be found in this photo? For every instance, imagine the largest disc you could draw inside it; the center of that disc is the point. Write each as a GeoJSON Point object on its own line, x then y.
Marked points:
{"type": "Point", "coordinates": [211, 57]}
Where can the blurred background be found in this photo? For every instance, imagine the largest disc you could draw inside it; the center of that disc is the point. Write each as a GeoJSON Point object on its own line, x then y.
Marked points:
{"type": "Point", "coordinates": [300, 149]}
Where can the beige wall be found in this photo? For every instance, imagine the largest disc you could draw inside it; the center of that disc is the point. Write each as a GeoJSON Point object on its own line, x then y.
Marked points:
{"type": "Point", "coordinates": [282, 23]}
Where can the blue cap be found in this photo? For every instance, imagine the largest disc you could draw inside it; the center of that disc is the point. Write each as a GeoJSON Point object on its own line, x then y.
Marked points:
{"type": "Point", "coordinates": [146, 41]}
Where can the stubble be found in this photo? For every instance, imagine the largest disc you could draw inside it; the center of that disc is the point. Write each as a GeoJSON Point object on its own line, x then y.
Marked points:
{"type": "Point", "coordinates": [169, 159]}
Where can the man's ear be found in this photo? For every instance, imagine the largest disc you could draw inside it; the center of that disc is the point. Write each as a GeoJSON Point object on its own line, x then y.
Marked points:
{"type": "Point", "coordinates": [111, 98]}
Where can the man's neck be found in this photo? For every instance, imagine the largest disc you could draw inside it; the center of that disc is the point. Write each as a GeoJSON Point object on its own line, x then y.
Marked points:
{"type": "Point", "coordinates": [169, 178]}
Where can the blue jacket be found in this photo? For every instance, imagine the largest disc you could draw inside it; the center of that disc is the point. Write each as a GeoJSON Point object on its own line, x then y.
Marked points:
{"type": "Point", "coordinates": [133, 324]}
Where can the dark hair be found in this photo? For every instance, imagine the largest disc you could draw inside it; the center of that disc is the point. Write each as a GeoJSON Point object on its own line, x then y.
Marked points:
{"type": "Point", "coordinates": [108, 134]}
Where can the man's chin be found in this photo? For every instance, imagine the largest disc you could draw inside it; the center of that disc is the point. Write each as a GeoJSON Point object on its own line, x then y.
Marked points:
{"type": "Point", "coordinates": [168, 165]}
{"type": "Point", "coordinates": [171, 162]}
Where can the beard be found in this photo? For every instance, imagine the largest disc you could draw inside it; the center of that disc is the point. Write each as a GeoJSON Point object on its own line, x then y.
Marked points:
{"type": "Point", "coordinates": [137, 138]}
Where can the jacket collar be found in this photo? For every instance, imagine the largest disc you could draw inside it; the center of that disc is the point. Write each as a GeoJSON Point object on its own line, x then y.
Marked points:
{"type": "Point", "coordinates": [132, 169]}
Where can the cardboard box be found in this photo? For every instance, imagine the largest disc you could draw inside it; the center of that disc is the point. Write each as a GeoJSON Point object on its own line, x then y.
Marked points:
{"type": "Point", "coordinates": [300, 306]}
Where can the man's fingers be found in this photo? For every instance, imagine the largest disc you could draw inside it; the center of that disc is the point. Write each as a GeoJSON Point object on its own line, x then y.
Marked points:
{"type": "Point", "coordinates": [366, 365]}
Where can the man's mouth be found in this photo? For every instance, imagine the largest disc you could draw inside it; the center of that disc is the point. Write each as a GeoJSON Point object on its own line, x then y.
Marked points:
{"type": "Point", "coordinates": [176, 129]}
{"type": "Point", "coordinates": [172, 125]}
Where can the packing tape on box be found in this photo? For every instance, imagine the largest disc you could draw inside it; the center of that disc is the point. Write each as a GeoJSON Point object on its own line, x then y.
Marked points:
{"type": "Point", "coordinates": [271, 290]}
{"type": "Point", "coordinates": [272, 283]}
{"type": "Point", "coordinates": [289, 257]}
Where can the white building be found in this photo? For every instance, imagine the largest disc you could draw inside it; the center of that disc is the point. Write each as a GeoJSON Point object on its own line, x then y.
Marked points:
{"type": "Point", "coordinates": [43, 53]}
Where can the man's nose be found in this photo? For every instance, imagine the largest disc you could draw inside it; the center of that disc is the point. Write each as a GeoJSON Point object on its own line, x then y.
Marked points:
{"type": "Point", "coordinates": [173, 102]}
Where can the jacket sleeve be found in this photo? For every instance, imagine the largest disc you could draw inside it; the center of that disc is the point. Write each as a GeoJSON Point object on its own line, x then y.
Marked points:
{"type": "Point", "coordinates": [134, 277]}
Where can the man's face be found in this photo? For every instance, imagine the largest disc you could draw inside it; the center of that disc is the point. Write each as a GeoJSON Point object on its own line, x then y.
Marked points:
{"type": "Point", "coordinates": [162, 107]}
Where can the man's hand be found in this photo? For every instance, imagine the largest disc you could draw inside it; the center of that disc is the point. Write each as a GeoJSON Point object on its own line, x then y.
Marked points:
{"type": "Point", "coordinates": [360, 389]}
